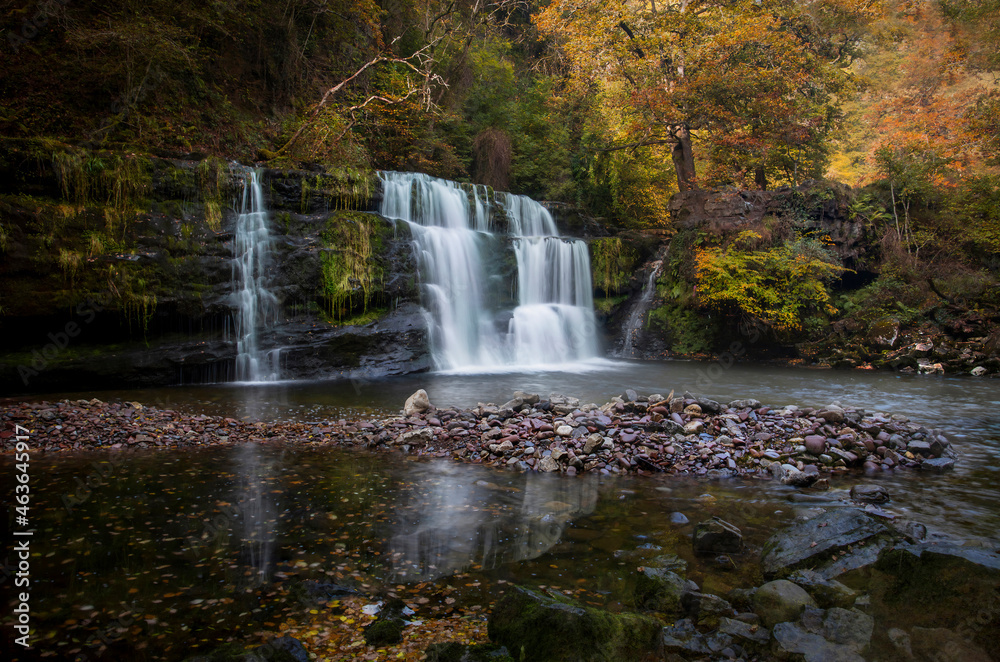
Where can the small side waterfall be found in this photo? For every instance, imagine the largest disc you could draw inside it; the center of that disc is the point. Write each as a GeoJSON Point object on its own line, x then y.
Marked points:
{"type": "Point", "coordinates": [637, 314]}
{"type": "Point", "coordinates": [461, 259]}
{"type": "Point", "coordinates": [257, 306]}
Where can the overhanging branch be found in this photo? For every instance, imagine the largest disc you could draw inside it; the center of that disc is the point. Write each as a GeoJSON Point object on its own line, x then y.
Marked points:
{"type": "Point", "coordinates": [421, 57]}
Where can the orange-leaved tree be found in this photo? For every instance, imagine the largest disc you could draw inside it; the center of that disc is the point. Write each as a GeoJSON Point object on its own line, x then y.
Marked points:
{"type": "Point", "coordinates": [753, 81]}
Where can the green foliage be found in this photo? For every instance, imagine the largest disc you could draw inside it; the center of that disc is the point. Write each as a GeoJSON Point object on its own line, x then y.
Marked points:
{"type": "Point", "coordinates": [340, 188]}
{"type": "Point", "coordinates": [213, 180]}
{"type": "Point", "coordinates": [888, 296]}
{"type": "Point", "coordinates": [976, 208]}
{"type": "Point", "coordinates": [686, 329]}
{"type": "Point", "coordinates": [184, 76]}
{"type": "Point", "coordinates": [612, 263]}
{"type": "Point", "coordinates": [677, 318]}
{"type": "Point", "coordinates": [133, 291]}
{"type": "Point", "coordinates": [350, 272]}
{"type": "Point", "coordinates": [500, 97]}
{"type": "Point", "coordinates": [630, 190]}
{"type": "Point", "coordinates": [116, 183]}
{"type": "Point", "coordinates": [69, 261]}
{"type": "Point", "coordinates": [868, 209]}
{"type": "Point", "coordinates": [607, 305]}
{"type": "Point", "coordinates": [779, 287]}
{"type": "Point", "coordinates": [910, 173]}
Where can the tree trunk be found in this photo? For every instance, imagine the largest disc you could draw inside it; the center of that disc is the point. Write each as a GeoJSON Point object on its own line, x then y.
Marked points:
{"type": "Point", "coordinates": [683, 158]}
{"type": "Point", "coordinates": [760, 178]}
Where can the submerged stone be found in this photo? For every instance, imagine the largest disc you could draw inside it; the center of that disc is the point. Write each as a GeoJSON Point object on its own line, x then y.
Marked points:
{"type": "Point", "coordinates": [793, 638]}
{"type": "Point", "coordinates": [717, 536]}
{"type": "Point", "coordinates": [678, 518]}
{"type": "Point", "coordinates": [682, 637]}
{"type": "Point", "coordinates": [870, 493]}
{"type": "Point", "coordinates": [542, 628]}
{"type": "Point", "coordinates": [946, 585]}
{"type": "Point", "coordinates": [944, 645]}
{"type": "Point", "coordinates": [746, 633]}
{"type": "Point", "coordinates": [388, 629]}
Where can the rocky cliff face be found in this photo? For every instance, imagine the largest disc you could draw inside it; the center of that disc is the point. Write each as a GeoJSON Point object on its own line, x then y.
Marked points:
{"type": "Point", "coordinates": [815, 207]}
{"type": "Point", "coordinates": [117, 271]}
{"type": "Point", "coordinates": [937, 336]}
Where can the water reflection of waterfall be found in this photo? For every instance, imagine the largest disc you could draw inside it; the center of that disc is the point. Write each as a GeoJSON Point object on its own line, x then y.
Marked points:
{"type": "Point", "coordinates": [257, 523]}
{"type": "Point", "coordinates": [637, 313]}
{"type": "Point", "coordinates": [453, 522]}
{"type": "Point", "coordinates": [257, 306]}
{"type": "Point", "coordinates": [466, 277]}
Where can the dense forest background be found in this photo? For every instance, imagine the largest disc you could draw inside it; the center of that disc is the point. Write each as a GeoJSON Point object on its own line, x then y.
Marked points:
{"type": "Point", "coordinates": [613, 107]}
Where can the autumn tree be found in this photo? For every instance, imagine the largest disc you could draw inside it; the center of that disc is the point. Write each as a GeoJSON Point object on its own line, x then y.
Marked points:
{"type": "Point", "coordinates": [932, 127]}
{"type": "Point", "coordinates": [753, 83]}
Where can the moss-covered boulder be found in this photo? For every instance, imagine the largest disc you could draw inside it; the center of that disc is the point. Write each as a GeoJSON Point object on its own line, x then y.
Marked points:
{"type": "Point", "coordinates": [388, 629]}
{"type": "Point", "coordinates": [541, 627]}
{"type": "Point", "coordinates": [384, 631]}
{"type": "Point", "coordinates": [661, 590]}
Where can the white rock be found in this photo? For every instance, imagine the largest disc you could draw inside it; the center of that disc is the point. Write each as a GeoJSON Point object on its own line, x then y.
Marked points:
{"type": "Point", "coordinates": [418, 403]}
{"type": "Point", "coordinates": [694, 427]}
{"type": "Point", "coordinates": [548, 465]}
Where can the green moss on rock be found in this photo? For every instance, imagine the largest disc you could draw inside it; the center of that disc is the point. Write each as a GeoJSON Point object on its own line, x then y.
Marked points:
{"type": "Point", "coordinates": [613, 262]}
{"type": "Point", "coordinates": [384, 631]}
{"type": "Point", "coordinates": [352, 271]}
{"type": "Point", "coordinates": [543, 628]}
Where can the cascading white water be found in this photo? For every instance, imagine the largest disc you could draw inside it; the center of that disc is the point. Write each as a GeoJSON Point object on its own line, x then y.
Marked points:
{"type": "Point", "coordinates": [553, 318]}
{"type": "Point", "coordinates": [257, 306]}
{"type": "Point", "coordinates": [637, 314]}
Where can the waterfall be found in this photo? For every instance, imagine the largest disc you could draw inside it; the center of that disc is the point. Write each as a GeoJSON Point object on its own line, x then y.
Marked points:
{"type": "Point", "coordinates": [637, 314]}
{"type": "Point", "coordinates": [257, 306]}
{"type": "Point", "coordinates": [460, 251]}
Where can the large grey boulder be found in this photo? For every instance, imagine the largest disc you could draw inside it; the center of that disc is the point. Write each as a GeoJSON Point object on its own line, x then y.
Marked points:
{"type": "Point", "coordinates": [831, 544]}
{"type": "Point", "coordinates": [826, 592]}
{"type": "Point", "coordinates": [834, 635]}
{"type": "Point", "coordinates": [662, 590]}
{"type": "Point", "coordinates": [683, 639]}
{"type": "Point", "coordinates": [780, 601]}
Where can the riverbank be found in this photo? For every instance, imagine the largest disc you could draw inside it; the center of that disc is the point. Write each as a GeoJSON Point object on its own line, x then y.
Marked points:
{"type": "Point", "coordinates": [636, 434]}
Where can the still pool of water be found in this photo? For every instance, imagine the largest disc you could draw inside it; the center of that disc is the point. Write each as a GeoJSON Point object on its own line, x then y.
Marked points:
{"type": "Point", "coordinates": [206, 545]}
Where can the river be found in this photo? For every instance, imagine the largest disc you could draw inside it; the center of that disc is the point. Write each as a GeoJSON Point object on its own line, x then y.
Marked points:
{"type": "Point", "coordinates": [193, 540]}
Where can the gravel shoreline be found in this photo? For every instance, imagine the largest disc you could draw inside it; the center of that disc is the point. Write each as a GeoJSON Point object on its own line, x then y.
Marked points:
{"type": "Point", "coordinates": [683, 434]}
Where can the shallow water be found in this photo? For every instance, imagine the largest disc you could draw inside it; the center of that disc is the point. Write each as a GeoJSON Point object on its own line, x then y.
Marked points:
{"type": "Point", "coordinates": [199, 542]}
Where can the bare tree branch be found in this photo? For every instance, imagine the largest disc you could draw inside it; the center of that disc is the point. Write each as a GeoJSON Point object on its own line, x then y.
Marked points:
{"type": "Point", "coordinates": [422, 58]}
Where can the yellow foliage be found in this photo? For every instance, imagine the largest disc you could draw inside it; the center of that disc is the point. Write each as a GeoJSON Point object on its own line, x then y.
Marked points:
{"type": "Point", "coordinates": [779, 287]}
